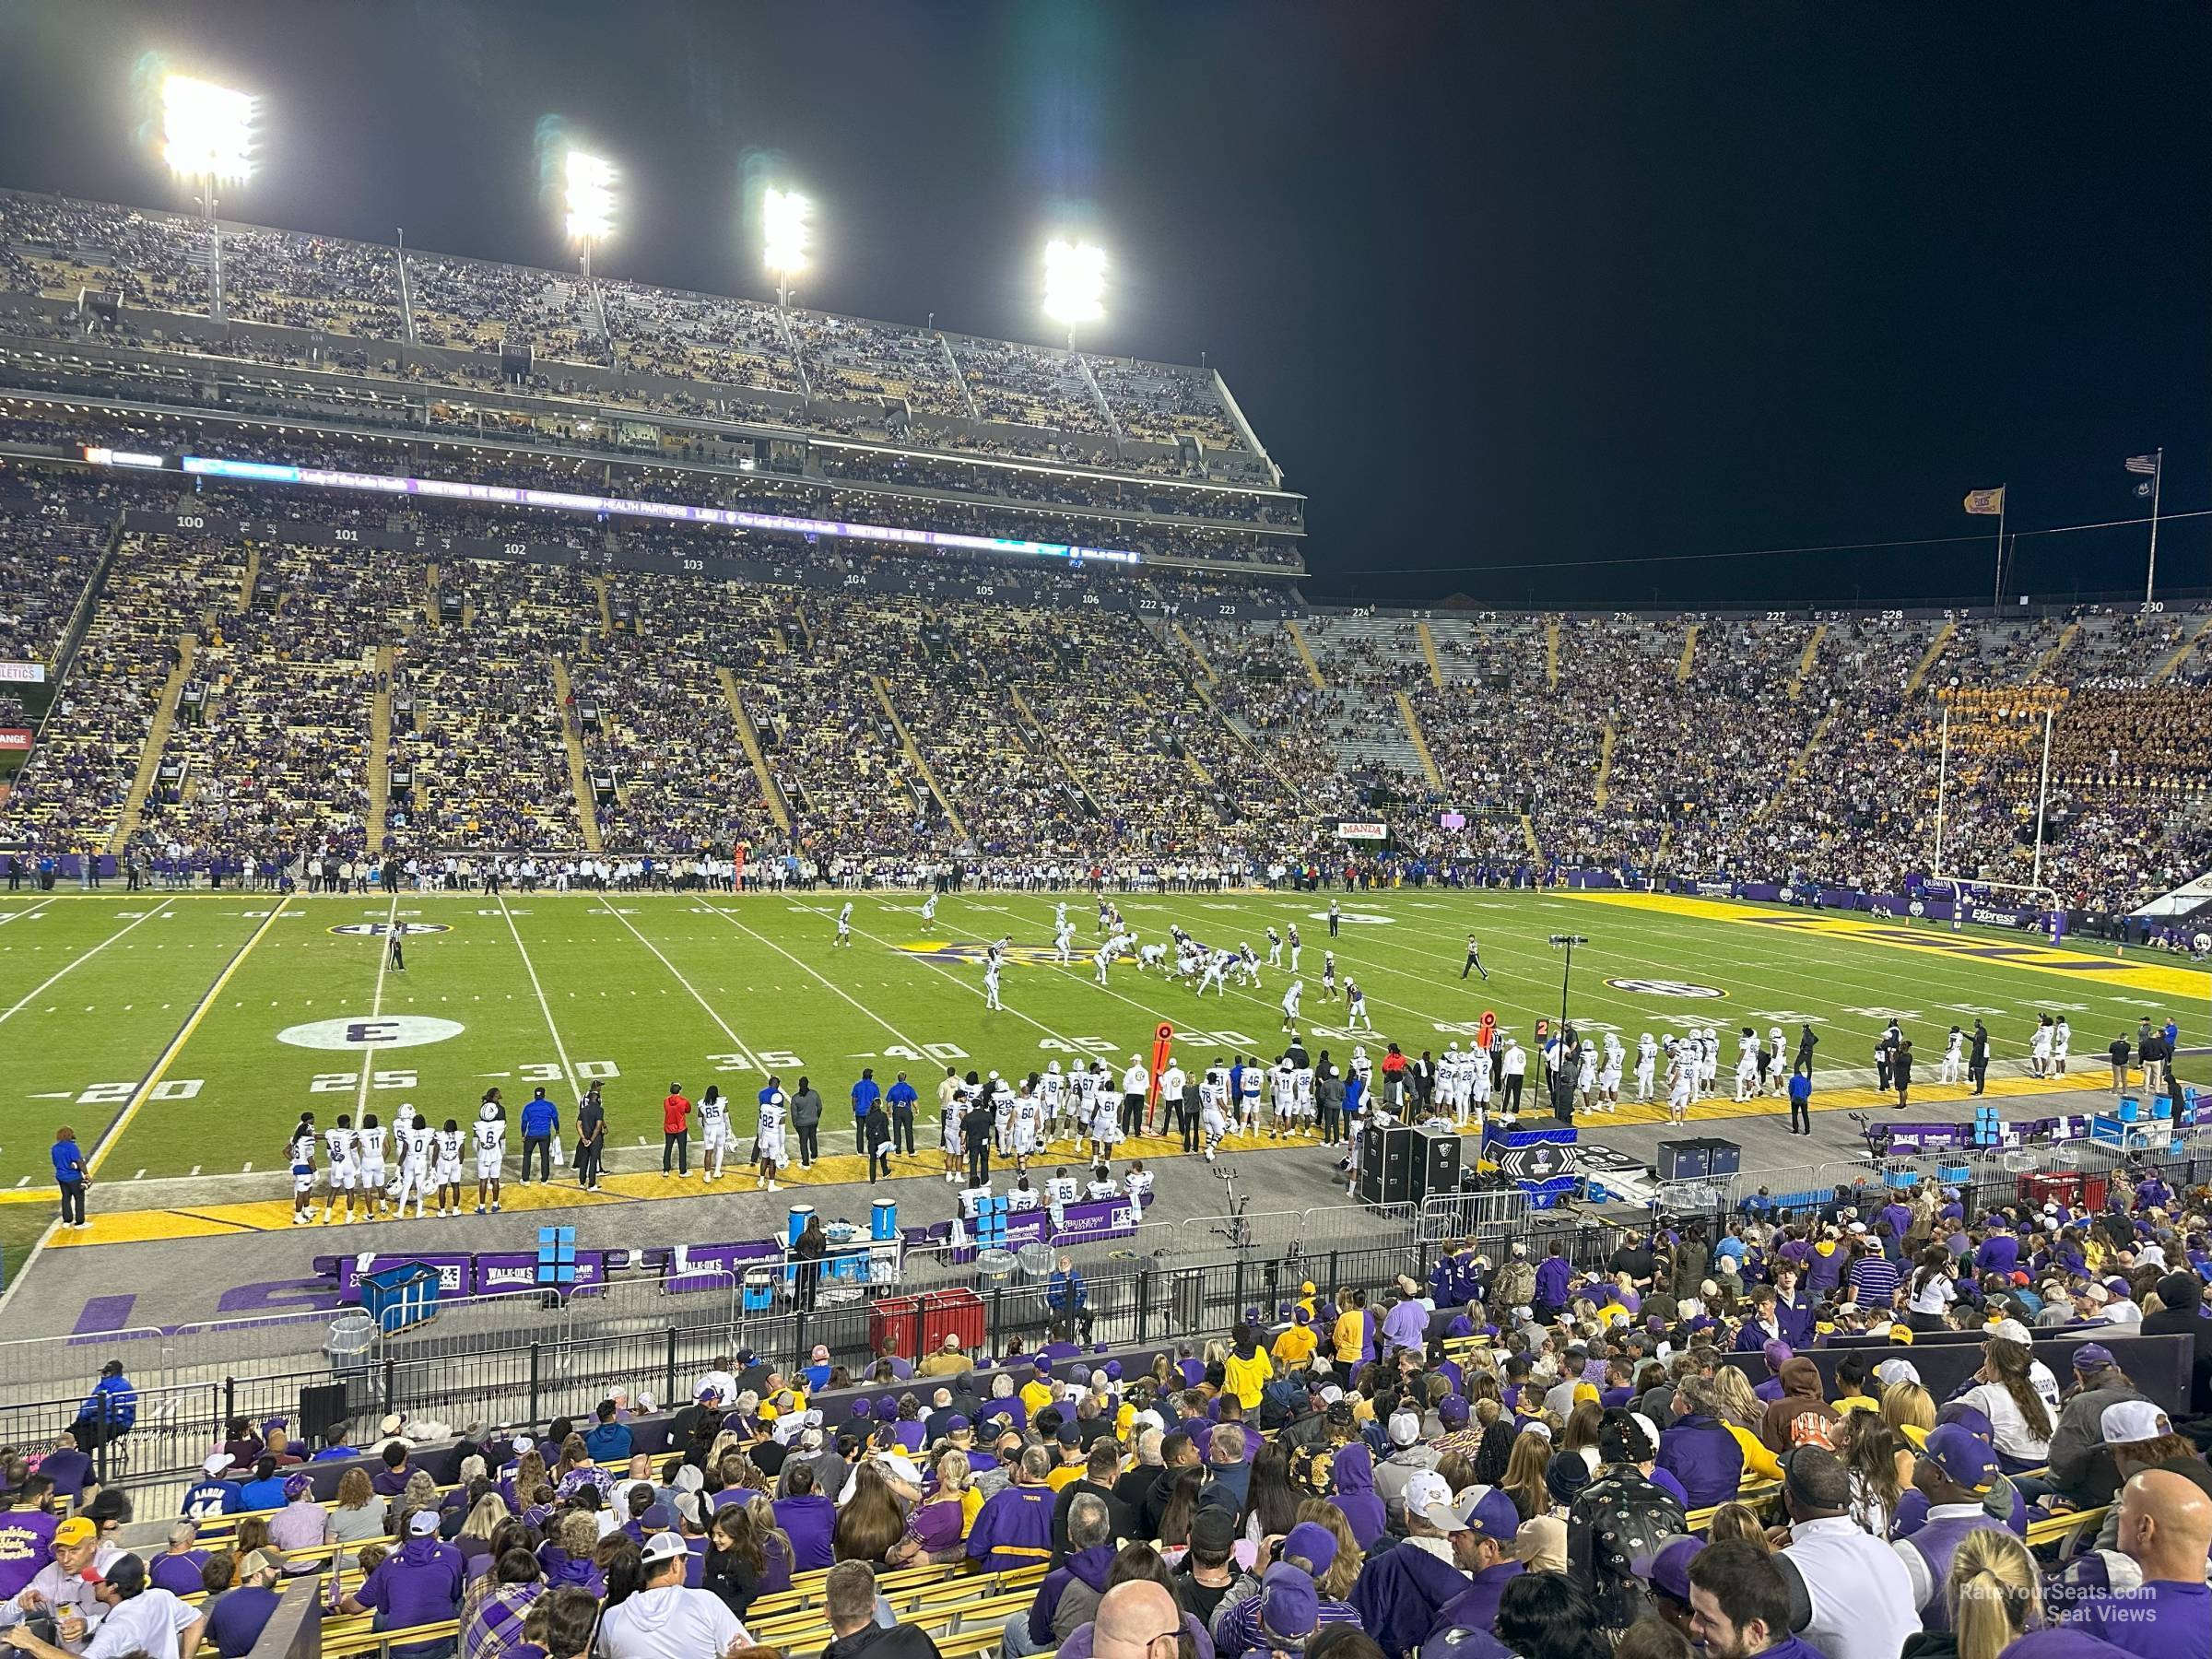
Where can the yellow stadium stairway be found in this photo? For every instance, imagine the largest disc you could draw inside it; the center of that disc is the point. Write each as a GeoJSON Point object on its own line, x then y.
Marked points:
{"type": "Point", "coordinates": [1927, 657]}
{"type": "Point", "coordinates": [778, 808]}
{"type": "Point", "coordinates": [157, 739]}
{"type": "Point", "coordinates": [606, 614]}
{"type": "Point", "coordinates": [1034, 730]}
{"type": "Point", "coordinates": [580, 775]}
{"type": "Point", "coordinates": [1551, 652]}
{"type": "Point", "coordinates": [1690, 652]}
{"type": "Point", "coordinates": [2173, 664]}
{"type": "Point", "coordinates": [1305, 654]}
{"type": "Point", "coordinates": [1436, 669]}
{"type": "Point", "coordinates": [913, 753]}
{"type": "Point", "coordinates": [1197, 656]}
{"type": "Point", "coordinates": [1604, 763]}
{"type": "Point", "coordinates": [429, 595]}
{"type": "Point", "coordinates": [1528, 834]}
{"type": "Point", "coordinates": [246, 586]}
{"type": "Point", "coordinates": [380, 744]}
{"type": "Point", "coordinates": [2057, 653]}
{"type": "Point", "coordinates": [1805, 663]}
{"type": "Point", "coordinates": [1419, 741]}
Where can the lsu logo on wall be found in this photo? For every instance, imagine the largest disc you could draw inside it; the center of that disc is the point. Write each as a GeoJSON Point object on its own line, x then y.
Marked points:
{"type": "Point", "coordinates": [377, 930]}
{"type": "Point", "coordinates": [1030, 956]}
{"type": "Point", "coordinates": [1664, 987]}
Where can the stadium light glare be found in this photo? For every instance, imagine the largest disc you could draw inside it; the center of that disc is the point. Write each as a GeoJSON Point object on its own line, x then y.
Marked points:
{"type": "Point", "coordinates": [207, 130]}
{"type": "Point", "coordinates": [590, 184]}
{"type": "Point", "coordinates": [1074, 283]}
{"type": "Point", "coordinates": [783, 234]}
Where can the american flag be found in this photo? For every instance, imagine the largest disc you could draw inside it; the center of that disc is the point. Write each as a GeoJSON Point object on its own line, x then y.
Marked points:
{"type": "Point", "coordinates": [2143, 463]}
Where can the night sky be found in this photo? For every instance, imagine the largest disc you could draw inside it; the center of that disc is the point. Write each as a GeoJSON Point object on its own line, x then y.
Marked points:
{"type": "Point", "coordinates": [1533, 300]}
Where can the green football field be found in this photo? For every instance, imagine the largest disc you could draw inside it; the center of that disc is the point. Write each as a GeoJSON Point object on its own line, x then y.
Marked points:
{"type": "Point", "coordinates": [184, 1034]}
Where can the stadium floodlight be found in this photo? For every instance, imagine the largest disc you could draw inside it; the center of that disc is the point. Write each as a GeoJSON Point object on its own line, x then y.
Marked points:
{"type": "Point", "coordinates": [590, 190]}
{"type": "Point", "coordinates": [207, 134]}
{"type": "Point", "coordinates": [783, 233]}
{"type": "Point", "coordinates": [1074, 284]}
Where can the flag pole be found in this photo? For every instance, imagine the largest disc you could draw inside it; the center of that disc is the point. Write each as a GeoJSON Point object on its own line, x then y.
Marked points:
{"type": "Point", "coordinates": [1996, 597]}
{"type": "Point", "coordinates": [2157, 471]}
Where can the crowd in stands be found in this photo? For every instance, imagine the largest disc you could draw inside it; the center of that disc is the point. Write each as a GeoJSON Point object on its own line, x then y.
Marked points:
{"type": "Point", "coordinates": [1727, 1439]}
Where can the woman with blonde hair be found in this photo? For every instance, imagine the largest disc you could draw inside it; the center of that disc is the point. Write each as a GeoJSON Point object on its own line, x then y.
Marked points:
{"type": "Point", "coordinates": [474, 1541]}
{"type": "Point", "coordinates": [1910, 1409]}
{"type": "Point", "coordinates": [1738, 1520]}
{"type": "Point", "coordinates": [938, 1526]}
{"type": "Point", "coordinates": [1337, 1580]}
{"type": "Point", "coordinates": [357, 1517]}
{"type": "Point", "coordinates": [1741, 1412]}
{"type": "Point", "coordinates": [1582, 1432]}
{"type": "Point", "coordinates": [529, 1475]}
{"type": "Point", "coordinates": [1524, 1481]}
{"type": "Point", "coordinates": [775, 1544]}
{"type": "Point", "coordinates": [1993, 1596]}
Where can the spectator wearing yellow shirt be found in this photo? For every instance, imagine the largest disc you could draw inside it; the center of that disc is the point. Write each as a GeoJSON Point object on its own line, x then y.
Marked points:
{"type": "Point", "coordinates": [1350, 1334]}
{"type": "Point", "coordinates": [1247, 1370]}
{"type": "Point", "coordinates": [1072, 1459]}
{"type": "Point", "coordinates": [1036, 1393]}
{"type": "Point", "coordinates": [1295, 1347]}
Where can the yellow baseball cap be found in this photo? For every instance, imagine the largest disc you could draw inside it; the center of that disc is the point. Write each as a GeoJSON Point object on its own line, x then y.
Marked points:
{"type": "Point", "coordinates": [75, 1531]}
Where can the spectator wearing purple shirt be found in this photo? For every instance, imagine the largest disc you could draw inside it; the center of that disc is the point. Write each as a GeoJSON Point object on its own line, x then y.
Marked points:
{"type": "Point", "coordinates": [418, 1584]}
{"type": "Point", "coordinates": [1406, 1325]}
{"type": "Point", "coordinates": [392, 1479]}
{"type": "Point", "coordinates": [1553, 1278]}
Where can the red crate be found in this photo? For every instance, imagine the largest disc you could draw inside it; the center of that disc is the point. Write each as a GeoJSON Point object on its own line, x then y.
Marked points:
{"type": "Point", "coordinates": [911, 1327]}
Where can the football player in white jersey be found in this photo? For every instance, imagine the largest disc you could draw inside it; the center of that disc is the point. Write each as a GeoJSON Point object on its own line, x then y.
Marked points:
{"type": "Point", "coordinates": [1028, 1124]}
{"type": "Point", "coordinates": [1105, 1112]}
{"type": "Point", "coordinates": [1709, 1064]}
{"type": "Point", "coordinates": [1647, 1064]}
{"type": "Point", "coordinates": [299, 1152]}
{"type": "Point", "coordinates": [1100, 960]}
{"type": "Point", "coordinates": [1137, 1182]}
{"type": "Point", "coordinates": [1083, 1099]}
{"type": "Point", "coordinates": [1282, 1097]}
{"type": "Point", "coordinates": [345, 1154]}
{"type": "Point", "coordinates": [1682, 1063]}
{"type": "Point", "coordinates": [713, 1133]}
{"type": "Point", "coordinates": [1608, 1073]}
{"type": "Point", "coordinates": [991, 982]}
{"type": "Point", "coordinates": [1478, 1084]}
{"type": "Point", "coordinates": [1747, 1064]}
{"type": "Point", "coordinates": [1216, 973]}
{"type": "Point", "coordinates": [445, 1148]}
{"type": "Point", "coordinates": [768, 1140]}
{"type": "Point", "coordinates": [1064, 938]}
{"type": "Point", "coordinates": [1213, 1110]}
{"type": "Point", "coordinates": [929, 906]}
{"type": "Point", "coordinates": [491, 1154]}
{"type": "Point", "coordinates": [368, 1142]}
{"type": "Point", "coordinates": [1152, 957]}
{"type": "Point", "coordinates": [1052, 1099]}
{"type": "Point", "coordinates": [844, 927]}
{"type": "Point", "coordinates": [1275, 947]}
{"type": "Point", "coordinates": [1954, 1058]}
{"type": "Point", "coordinates": [414, 1154]}
{"type": "Point", "coordinates": [2062, 1045]}
{"type": "Point", "coordinates": [1293, 993]}
{"type": "Point", "coordinates": [1301, 1097]}
{"type": "Point", "coordinates": [1777, 1063]}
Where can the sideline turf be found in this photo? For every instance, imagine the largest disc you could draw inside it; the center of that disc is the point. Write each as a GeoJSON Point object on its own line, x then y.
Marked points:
{"type": "Point", "coordinates": [643, 990]}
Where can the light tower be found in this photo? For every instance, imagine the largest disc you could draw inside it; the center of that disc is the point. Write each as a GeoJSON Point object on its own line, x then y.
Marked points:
{"type": "Point", "coordinates": [590, 194]}
{"type": "Point", "coordinates": [206, 137]}
{"type": "Point", "coordinates": [1074, 284]}
{"type": "Point", "coordinates": [783, 237]}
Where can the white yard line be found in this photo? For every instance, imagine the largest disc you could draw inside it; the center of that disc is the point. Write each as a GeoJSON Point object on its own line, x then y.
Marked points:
{"type": "Point", "coordinates": [829, 985]}
{"type": "Point", "coordinates": [560, 1051]}
{"type": "Point", "coordinates": [736, 1042]}
{"type": "Point", "coordinates": [376, 1004]}
{"type": "Point", "coordinates": [33, 996]}
{"type": "Point", "coordinates": [28, 910]}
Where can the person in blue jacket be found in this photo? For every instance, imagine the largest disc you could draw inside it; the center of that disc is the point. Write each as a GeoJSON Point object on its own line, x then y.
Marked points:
{"type": "Point", "coordinates": [903, 1098]}
{"type": "Point", "coordinates": [865, 1095]}
{"type": "Point", "coordinates": [1068, 1298]}
{"type": "Point", "coordinates": [111, 1410]}
{"type": "Point", "coordinates": [71, 1175]}
{"type": "Point", "coordinates": [541, 1122]}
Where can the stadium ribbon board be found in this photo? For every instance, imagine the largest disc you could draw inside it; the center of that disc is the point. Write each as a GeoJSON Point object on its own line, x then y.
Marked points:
{"type": "Point", "coordinates": [992, 584]}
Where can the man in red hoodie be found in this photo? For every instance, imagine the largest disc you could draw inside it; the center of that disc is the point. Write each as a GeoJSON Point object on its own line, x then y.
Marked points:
{"type": "Point", "coordinates": [675, 1121]}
